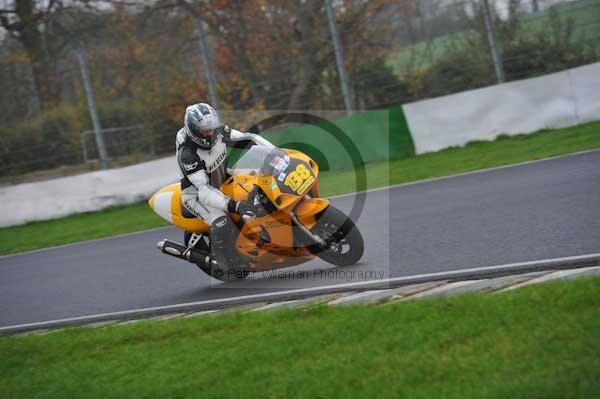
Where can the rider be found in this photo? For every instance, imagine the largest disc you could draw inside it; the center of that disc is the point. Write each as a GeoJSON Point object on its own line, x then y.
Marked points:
{"type": "Point", "coordinates": [202, 158]}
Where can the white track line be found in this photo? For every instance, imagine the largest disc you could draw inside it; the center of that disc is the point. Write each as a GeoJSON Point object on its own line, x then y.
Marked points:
{"type": "Point", "coordinates": [132, 312]}
{"type": "Point", "coordinates": [434, 179]}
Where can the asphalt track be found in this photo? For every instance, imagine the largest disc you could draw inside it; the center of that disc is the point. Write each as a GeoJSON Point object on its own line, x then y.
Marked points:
{"type": "Point", "coordinates": [541, 210]}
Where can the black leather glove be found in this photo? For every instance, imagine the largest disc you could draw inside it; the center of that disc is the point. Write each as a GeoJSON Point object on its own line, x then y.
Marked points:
{"type": "Point", "coordinates": [241, 208]}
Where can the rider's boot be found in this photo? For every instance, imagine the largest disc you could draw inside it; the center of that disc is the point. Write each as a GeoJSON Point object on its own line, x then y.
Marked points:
{"type": "Point", "coordinates": [222, 243]}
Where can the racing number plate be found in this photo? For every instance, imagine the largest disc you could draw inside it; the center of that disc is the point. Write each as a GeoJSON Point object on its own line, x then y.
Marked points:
{"type": "Point", "coordinates": [300, 179]}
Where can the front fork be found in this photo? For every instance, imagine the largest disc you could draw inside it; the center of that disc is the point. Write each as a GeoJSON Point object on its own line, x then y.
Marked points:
{"type": "Point", "coordinates": [311, 237]}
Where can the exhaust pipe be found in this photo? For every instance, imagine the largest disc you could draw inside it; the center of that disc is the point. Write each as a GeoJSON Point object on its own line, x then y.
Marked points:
{"type": "Point", "coordinates": [182, 252]}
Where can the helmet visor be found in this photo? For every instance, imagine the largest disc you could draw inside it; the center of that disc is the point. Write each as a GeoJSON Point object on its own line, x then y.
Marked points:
{"type": "Point", "coordinates": [201, 133]}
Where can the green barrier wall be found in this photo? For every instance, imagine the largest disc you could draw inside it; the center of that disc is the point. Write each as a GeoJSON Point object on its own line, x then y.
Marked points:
{"type": "Point", "coordinates": [378, 135]}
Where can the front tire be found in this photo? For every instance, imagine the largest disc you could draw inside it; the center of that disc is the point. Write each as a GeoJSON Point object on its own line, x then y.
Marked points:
{"type": "Point", "coordinates": [345, 245]}
{"type": "Point", "coordinates": [220, 273]}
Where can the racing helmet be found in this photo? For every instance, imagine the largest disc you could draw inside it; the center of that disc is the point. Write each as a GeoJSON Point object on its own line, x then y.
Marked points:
{"type": "Point", "coordinates": [201, 123]}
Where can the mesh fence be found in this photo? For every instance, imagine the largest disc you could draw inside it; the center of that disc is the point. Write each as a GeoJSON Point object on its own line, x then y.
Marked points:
{"type": "Point", "coordinates": [145, 63]}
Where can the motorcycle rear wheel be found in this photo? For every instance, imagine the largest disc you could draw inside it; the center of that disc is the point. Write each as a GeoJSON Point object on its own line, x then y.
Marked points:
{"type": "Point", "coordinates": [220, 273]}
{"type": "Point", "coordinates": [345, 245]}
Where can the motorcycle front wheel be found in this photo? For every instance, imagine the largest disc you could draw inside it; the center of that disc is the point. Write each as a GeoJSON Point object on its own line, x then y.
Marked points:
{"type": "Point", "coordinates": [345, 245]}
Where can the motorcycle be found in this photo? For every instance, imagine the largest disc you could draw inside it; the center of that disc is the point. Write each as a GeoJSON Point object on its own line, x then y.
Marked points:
{"type": "Point", "coordinates": [292, 225]}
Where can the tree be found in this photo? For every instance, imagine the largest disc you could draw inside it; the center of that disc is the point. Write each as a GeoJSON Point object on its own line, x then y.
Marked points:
{"type": "Point", "coordinates": [26, 22]}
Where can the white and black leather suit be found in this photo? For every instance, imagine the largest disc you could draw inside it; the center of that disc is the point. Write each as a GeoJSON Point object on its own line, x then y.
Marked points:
{"type": "Point", "coordinates": [202, 171]}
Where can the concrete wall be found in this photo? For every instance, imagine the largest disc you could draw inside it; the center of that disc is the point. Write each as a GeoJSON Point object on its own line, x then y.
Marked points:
{"type": "Point", "coordinates": [552, 101]}
{"type": "Point", "coordinates": [85, 192]}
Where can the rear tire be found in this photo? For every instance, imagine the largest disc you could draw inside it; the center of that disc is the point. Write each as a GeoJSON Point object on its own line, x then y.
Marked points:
{"type": "Point", "coordinates": [345, 245]}
{"type": "Point", "coordinates": [219, 273]}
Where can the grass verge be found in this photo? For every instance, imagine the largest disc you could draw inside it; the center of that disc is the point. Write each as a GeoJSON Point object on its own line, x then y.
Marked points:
{"type": "Point", "coordinates": [582, 13]}
{"type": "Point", "coordinates": [541, 341]}
{"type": "Point", "coordinates": [474, 156]}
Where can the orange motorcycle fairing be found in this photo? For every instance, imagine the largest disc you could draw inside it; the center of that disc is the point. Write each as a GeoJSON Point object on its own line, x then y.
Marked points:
{"type": "Point", "coordinates": [167, 204]}
{"type": "Point", "coordinates": [239, 186]}
{"type": "Point", "coordinates": [269, 242]}
{"type": "Point", "coordinates": [314, 191]}
{"type": "Point", "coordinates": [308, 209]}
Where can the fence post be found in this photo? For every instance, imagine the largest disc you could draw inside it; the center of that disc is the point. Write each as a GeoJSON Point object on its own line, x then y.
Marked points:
{"type": "Point", "coordinates": [493, 40]}
{"type": "Point", "coordinates": [210, 76]}
{"type": "Point", "coordinates": [339, 57]}
{"type": "Point", "coordinates": [89, 93]}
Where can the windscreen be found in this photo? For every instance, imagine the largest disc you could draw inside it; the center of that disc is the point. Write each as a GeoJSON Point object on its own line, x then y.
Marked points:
{"type": "Point", "coordinates": [263, 161]}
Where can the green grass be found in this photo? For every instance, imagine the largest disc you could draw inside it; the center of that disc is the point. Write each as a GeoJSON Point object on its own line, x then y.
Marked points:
{"type": "Point", "coordinates": [584, 14]}
{"type": "Point", "coordinates": [537, 342]}
{"type": "Point", "coordinates": [423, 54]}
{"type": "Point", "coordinates": [75, 228]}
{"type": "Point", "coordinates": [474, 156]}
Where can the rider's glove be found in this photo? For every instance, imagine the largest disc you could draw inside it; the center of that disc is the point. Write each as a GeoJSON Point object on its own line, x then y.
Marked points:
{"type": "Point", "coordinates": [241, 208]}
